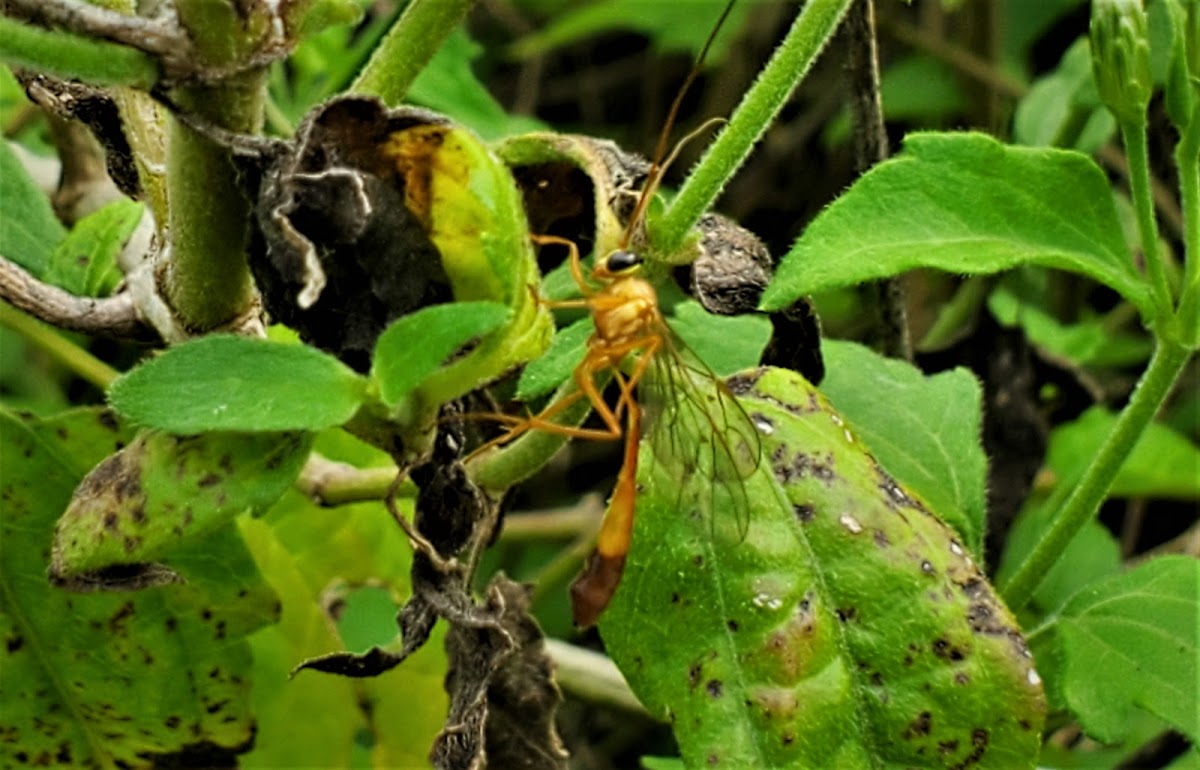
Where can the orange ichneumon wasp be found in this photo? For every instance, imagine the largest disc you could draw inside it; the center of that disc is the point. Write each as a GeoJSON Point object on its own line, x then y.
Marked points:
{"type": "Point", "coordinates": [630, 330]}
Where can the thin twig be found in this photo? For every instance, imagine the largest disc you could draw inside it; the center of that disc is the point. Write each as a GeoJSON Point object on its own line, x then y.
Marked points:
{"type": "Point", "coordinates": [591, 677]}
{"type": "Point", "coordinates": [114, 316]}
{"type": "Point", "coordinates": [553, 523]}
{"type": "Point", "coordinates": [163, 39]}
{"type": "Point", "coordinates": [1186, 543]}
{"type": "Point", "coordinates": [418, 541]}
{"type": "Point", "coordinates": [870, 147]}
{"type": "Point", "coordinates": [329, 483]}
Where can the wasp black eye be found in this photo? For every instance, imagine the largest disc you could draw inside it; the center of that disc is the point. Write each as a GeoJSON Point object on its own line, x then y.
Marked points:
{"type": "Point", "coordinates": [621, 261]}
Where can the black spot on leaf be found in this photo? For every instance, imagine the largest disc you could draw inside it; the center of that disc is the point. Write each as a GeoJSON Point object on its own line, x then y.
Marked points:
{"type": "Point", "coordinates": [946, 650]}
{"type": "Point", "coordinates": [919, 727]}
{"type": "Point", "coordinates": [804, 513]}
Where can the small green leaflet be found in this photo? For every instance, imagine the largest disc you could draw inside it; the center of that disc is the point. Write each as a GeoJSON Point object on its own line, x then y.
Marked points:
{"type": "Point", "coordinates": [85, 262]}
{"type": "Point", "coordinates": [420, 343]}
{"type": "Point", "coordinates": [726, 344]}
{"type": "Point", "coordinates": [29, 229]}
{"type": "Point", "coordinates": [548, 371]}
{"type": "Point", "coordinates": [226, 383]}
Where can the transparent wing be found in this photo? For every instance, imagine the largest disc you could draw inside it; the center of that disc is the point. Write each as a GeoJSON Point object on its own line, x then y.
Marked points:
{"type": "Point", "coordinates": [698, 430]}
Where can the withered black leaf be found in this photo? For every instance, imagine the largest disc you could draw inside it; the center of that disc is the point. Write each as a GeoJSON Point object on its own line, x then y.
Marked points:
{"type": "Point", "coordinates": [339, 255]}
{"type": "Point", "coordinates": [502, 693]}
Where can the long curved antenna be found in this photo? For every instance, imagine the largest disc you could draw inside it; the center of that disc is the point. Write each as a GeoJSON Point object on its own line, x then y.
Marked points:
{"type": "Point", "coordinates": [658, 167]}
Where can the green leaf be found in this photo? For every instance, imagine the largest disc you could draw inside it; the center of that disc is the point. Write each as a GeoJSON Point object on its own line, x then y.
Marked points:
{"type": "Point", "coordinates": [1063, 108]}
{"type": "Point", "coordinates": [327, 706]}
{"type": "Point", "coordinates": [309, 556]}
{"type": "Point", "coordinates": [227, 383]}
{"type": "Point", "coordinates": [848, 627]}
{"type": "Point", "coordinates": [547, 372]}
{"type": "Point", "coordinates": [964, 203]}
{"type": "Point", "coordinates": [114, 679]}
{"type": "Point", "coordinates": [477, 223]}
{"type": "Point", "coordinates": [85, 262]}
{"type": "Point", "coordinates": [1086, 342]}
{"type": "Point", "coordinates": [449, 85]}
{"type": "Point", "coordinates": [1130, 642]}
{"type": "Point", "coordinates": [726, 344]}
{"type": "Point", "coordinates": [924, 429]}
{"type": "Point", "coordinates": [28, 228]}
{"type": "Point", "coordinates": [1162, 464]}
{"type": "Point", "coordinates": [162, 491]}
{"type": "Point", "coordinates": [419, 344]}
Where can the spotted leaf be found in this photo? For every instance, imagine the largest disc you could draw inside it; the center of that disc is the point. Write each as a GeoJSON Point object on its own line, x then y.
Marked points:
{"type": "Point", "coordinates": [848, 628]}
{"type": "Point", "coordinates": [152, 678]}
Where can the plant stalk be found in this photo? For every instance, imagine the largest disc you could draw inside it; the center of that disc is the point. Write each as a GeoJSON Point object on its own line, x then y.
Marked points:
{"type": "Point", "coordinates": [1134, 137]}
{"type": "Point", "coordinates": [787, 67]}
{"type": "Point", "coordinates": [408, 46]}
{"type": "Point", "coordinates": [1165, 365]}
{"type": "Point", "coordinates": [208, 283]}
{"type": "Point", "coordinates": [1187, 161]}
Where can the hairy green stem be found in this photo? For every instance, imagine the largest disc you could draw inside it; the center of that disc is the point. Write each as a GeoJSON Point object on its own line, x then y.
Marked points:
{"type": "Point", "coordinates": [1134, 136]}
{"type": "Point", "coordinates": [1187, 160]}
{"type": "Point", "coordinates": [1165, 365]}
{"type": "Point", "coordinates": [58, 347]}
{"type": "Point", "coordinates": [500, 469]}
{"type": "Point", "coordinates": [792, 59]}
{"type": "Point", "coordinates": [208, 283]}
{"type": "Point", "coordinates": [72, 57]}
{"type": "Point", "coordinates": [408, 46]}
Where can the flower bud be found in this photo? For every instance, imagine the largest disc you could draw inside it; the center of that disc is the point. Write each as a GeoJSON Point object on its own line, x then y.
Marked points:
{"type": "Point", "coordinates": [1121, 57]}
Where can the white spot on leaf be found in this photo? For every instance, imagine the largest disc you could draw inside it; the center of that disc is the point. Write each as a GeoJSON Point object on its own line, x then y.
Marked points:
{"type": "Point", "coordinates": [764, 425]}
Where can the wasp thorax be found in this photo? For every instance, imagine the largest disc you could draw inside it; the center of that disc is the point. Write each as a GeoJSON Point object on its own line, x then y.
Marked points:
{"type": "Point", "coordinates": [626, 310]}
